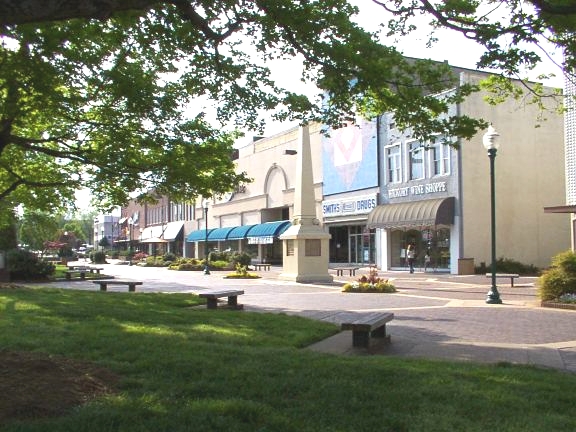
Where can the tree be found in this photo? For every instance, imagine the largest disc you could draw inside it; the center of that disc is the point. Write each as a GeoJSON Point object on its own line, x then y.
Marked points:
{"type": "Point", "coordinates": [115, 95]}
{"type": "Point", "coordinates": [35, 228]}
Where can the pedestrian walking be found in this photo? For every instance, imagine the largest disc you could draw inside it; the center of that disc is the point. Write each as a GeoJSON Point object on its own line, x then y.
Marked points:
{"type": "Point", "coordinates": [411, 255]}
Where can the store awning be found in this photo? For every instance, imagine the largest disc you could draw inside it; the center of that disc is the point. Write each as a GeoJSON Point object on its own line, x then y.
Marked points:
{"type": "Point", "coordinates": [268, 229]}
{"type": "Point", "coordinates": [413, 214]}
{"type": "Point", "coordinates": [219, 234]}
{"type": "Point", "coordinates": [155, 240]}
{"type": "Point", "coordinates": [172, 230]}
{"type": "Point", "coordinates": [239, 233]}
{"type": "Point", "coordinates": [151, 232]}
{"type": "Point", "coordinates": [561, 209]}
{"type": "Point", "coordinates": [198, 235]}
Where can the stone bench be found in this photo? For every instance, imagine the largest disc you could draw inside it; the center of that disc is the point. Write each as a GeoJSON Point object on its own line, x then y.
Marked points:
{"type": "Point", "coordinates": [212, 297]}
{"type": "Point", "coordinates": [367, 325]}
{"type": "Point", "coordinates": [86, 269]}
{"type": "Point", "coordinates": [511, 276]}
{"type": "Point", "coordinates": [104, 284]}
{"type": "Point", "coordinates": [340, 270]}
{"type": "Point", "coordinates": [70, 273]}
{"type": "Point", "coordinates": [261, 266]}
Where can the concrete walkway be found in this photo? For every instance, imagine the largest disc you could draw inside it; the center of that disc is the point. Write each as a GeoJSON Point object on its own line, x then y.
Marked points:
{"type": "Point", "coordinates": [437, 315]}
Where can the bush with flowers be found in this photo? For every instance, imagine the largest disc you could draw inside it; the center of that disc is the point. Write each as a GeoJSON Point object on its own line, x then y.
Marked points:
{"type": "Point", "coordinates": [370, 283]}
{"type": "Point", "coordinates": [241, 273]}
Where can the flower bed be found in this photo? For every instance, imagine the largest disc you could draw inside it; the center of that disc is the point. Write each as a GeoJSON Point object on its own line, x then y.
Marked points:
{"type": "Point", "coordinates": [370, 284]}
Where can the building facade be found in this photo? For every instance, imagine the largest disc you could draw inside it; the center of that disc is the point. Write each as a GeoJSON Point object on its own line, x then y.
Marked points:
{"type": "Point", "coordinates": [377, 190]}
{"type": "Point", "coordinates": [438, 196]}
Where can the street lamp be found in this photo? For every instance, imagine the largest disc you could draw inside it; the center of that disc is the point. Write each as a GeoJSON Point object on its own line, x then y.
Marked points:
{"type": "Point", "coordinates": [205, 205]}
{"type": "Point", "coordinates": [490, 141]}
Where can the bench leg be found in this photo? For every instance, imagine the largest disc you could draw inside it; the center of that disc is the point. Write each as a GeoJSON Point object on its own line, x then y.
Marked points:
{"type": "Point", "coordinates": [131, 287]}
{"type": "Point", "coordinates": [212, 303]}
{"type": "Point", "coordinates": [82, 276]}
{"type": "Point", "coordinates": [232, 301]}
{"type": "Point", "coordinates": [380, 333]}
{"type": "Point", "coordinates": [68, 276]}
{"type": "Point", "coordinates": [103, 287]}
{"type": "Point", "coordinates": [511, 282]}
{"type": "Point", "coordinates": [339, 273]}
{"type": "Point", "coordinates": [352, 272]}
{"type": "Point", "coordinates": [360, 339]}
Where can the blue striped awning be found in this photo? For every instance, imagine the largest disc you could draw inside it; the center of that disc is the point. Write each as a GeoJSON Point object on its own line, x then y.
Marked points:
{"type": "Point", "coordinates": [239, 232]}
{"type": "Point", "coordinates": [198, 235]}
{"type": "Point", "coordinates": [268, 229]}
{"type": "Point", "coordinates": [219, 233]}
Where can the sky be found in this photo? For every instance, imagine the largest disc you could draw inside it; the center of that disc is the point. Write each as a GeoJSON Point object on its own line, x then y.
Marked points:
{"type": "Point", "coordinates": [451, 47]}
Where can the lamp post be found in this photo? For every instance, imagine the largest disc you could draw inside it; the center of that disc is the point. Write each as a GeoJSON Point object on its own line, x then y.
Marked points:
{"type": "Point", "coordinates": [490, 141]}
{"type": "Point", "coordinates": [205, 205]}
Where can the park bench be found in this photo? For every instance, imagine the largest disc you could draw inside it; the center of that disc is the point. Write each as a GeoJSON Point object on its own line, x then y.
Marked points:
{"type": "Point", "coordinates": [104, 284]}
{"type": "Point", "coordinates": [340, 270]}
{"type": "Point", "coordinates": [85, 268]}
{"type": "Point", "coordinates": [261, 266]}
{"type": "Point", "coordinates": [70, 273]}
{"type": "Point", "coordinates": [212, 297]}
{"type": "Point", "coordinates": [511, 276]}
{"type": "Point", "coordinates": [364, 326]}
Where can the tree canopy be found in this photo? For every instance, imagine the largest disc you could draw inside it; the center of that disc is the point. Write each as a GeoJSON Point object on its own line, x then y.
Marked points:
{"type": "Point", "coordinates": [116, 95]}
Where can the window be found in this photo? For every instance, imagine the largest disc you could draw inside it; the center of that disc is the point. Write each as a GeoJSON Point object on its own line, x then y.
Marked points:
{"type": "Point", "coordinates": [416, 161]}
{"type": "Point", "coordinates": [289, 247]}
{"type": "Point", "coordinates": [440, 158]}
{"type": "Point", "coordinates": [394, 164]}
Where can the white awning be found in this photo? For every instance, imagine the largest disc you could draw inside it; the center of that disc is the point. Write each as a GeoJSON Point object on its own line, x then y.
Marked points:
{"type": "Point", "coordinates": [172, 229]}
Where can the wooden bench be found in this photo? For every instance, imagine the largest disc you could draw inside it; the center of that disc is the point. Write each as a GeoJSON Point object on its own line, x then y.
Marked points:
{"type": "Point", "coordinates": [70, 273]}
{"type": "Point", "coordinates": [364, 326]}
{"type": "Point", "coordinates": [340, 271]}
{"type": "Point", "coordinates": [512, 276]}
{"type": "Point", "coordinates": [261, 266]}
{"type": "Point", "coordinates": [104, 284]}
{"type": "Point", "coordinates": [212, 297]}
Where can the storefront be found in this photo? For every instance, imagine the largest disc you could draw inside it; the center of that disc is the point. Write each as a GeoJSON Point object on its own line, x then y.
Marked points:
{"type": "Point", "coordinates": [428, 224]}
{"type": "Point", "coordinates": [351, 241]}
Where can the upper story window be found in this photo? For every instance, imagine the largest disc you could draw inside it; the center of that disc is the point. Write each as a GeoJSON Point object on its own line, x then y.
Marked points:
{"type": "Point", "coordinates": [394, 164]}
{"type": "Point", "coordinates": [416, 161]}
{"type": "Point", "coordinates": [440, 158]}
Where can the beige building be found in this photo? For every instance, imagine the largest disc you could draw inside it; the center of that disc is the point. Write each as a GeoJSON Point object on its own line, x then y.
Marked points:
{"type": "Point", "coordinates": [440, 198]}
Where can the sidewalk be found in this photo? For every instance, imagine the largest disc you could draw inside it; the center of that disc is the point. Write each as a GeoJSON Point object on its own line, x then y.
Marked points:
{"type": "Point", "coordinates": [437, 315]}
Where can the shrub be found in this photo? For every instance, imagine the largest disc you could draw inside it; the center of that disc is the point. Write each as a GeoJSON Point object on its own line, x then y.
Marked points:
{"type": "Point", "coordinates": [560, 278]}
{"type": "Point", "coordinates": [140, 256]}
{"type": "Point", "coordinates": [169, 256]}
{"type": "Point", "coordinates": [241, 258]}
{"type": "Point", "coordinates": [242, 273]}
{"type": "Point", "coordinates": [370, 283]}
{"type": "Point", "coordinates": [508, 265]}
{"type": "Point", "coordinates": [25, 265]}
{"type": "Point", "coordinates": [98, 257]}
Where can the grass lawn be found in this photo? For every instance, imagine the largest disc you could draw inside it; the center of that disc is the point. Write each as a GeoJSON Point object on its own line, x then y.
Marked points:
{"type": "Point", "coordinates": [191, 369]}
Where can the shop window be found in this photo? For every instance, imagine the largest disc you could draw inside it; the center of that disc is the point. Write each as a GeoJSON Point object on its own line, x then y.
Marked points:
{"type": "Point", "coordinates": [289, 247]}
{"type": "Point", "coordinates": [313, 247]}
{"type": "Point", "coordinates": [440, 158]}
{"type": "Point", "coordinates": [416, 161]}
{"type": "Point", "coordinates": [394, 164]}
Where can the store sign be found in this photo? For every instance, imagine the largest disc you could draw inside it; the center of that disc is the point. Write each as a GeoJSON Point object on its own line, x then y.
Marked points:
{"type": "Point", "coordinates": [260, 240]}
{"type": "Point", "coordinates": [349, 206]}
{"type": "Point", "coordinates": [421, 189]}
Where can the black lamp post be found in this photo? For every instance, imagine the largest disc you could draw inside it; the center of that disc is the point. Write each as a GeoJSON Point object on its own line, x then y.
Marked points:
{"type": "Point", "coordinates": [490, 141]}
{"type": "Point", "coordinates": [205, 205]}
